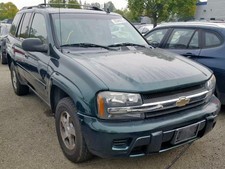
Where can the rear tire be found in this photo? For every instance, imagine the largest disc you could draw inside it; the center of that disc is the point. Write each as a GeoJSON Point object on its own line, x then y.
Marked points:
{"type": "Point", "coordinates": [3, 58]}
{"type": "Point", "coordinates": [18, 88]}
{"type": "Point", "coordinates": [69, 132]}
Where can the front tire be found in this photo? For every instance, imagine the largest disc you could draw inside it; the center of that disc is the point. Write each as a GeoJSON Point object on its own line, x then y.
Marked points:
{"type": "Point", "coordinates": [18, 88]}
{"type": "Point", "coordinates": [69, 132]}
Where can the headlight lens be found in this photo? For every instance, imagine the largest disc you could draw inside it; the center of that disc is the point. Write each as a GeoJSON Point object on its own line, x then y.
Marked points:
{"type": "Point", "coordinates": [115, 105]}
{"type": "Point", "coordinates": [211, 83]}
{"type": "Point", "coordinates": [210, 86]}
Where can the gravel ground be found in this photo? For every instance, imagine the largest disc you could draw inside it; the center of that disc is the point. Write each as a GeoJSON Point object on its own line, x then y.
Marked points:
{"type": "Point", "coordinates": [28, 140]}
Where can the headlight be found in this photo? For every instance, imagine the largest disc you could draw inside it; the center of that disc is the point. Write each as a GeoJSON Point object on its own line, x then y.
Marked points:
{"type": "Point", "coordinates": [210, 86]}
{"type": "Point", "coordinates": [115, 105]}
{"type": "Point", "coordinates": [211, 83]}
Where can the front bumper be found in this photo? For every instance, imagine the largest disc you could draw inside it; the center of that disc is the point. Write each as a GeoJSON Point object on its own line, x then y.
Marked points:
{"type": "Point", "coordinates": [153, 135]}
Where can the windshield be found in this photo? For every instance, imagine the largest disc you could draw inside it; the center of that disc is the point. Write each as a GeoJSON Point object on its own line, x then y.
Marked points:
{"type": "Point", "coordinates": [102, 30]}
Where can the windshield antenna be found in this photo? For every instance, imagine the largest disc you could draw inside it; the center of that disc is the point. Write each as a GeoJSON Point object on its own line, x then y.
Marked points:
{"type": "Point", "coordinates": [60, 27]}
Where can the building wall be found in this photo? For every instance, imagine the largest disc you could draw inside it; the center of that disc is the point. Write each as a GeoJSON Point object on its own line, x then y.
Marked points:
{"type": "Point", "coordinates": [211, 9]}
{"type": "Point", "coordinates": [201, 12]}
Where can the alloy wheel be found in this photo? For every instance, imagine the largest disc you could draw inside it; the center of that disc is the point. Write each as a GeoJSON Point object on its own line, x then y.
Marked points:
{"type": "Point", "coordinates": [67, 130]}
{"type": "Point", "coordinates": [14, 79]}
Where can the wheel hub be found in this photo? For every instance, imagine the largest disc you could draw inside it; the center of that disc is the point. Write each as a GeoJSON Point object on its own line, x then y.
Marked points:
{"type": "Point", "coordinates": [14, 79]}
{"type": "Point", "coordinates": [67, 130]}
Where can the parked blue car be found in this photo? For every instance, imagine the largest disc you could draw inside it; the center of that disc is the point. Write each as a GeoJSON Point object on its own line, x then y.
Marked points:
{"type": "Point", "coordinates": [203, 42]}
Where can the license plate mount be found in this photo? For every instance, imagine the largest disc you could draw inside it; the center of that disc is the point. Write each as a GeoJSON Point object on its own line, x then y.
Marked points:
{"type": "Point", "coordinates": [185, 133]}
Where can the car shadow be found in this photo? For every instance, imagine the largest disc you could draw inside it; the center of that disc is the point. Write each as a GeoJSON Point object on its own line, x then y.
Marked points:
{"type": "Point", "coordinates": [223, 108]}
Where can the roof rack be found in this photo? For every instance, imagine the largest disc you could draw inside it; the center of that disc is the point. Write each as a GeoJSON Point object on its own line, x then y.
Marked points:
{"type": "Point", "coordinates": [62, 5]}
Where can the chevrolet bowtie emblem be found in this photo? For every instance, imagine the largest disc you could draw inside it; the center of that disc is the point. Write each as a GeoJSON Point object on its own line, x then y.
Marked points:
{"type": "Point", "coordinates": [183, 101]}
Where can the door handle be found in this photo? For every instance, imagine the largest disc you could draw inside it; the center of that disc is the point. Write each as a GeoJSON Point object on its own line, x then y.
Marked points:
{"type": "Point", "coordinates": [26, 56]}
{"type": "Point", "coordinates": [189, 55]}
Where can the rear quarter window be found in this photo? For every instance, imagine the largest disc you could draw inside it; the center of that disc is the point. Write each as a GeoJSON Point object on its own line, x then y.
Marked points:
{"type": "Point", "coordinates": [15, 24]}
{"type": "Point", "coordinates": [24, 29]}
{"type": "Point", "coordinates": [212, 39]}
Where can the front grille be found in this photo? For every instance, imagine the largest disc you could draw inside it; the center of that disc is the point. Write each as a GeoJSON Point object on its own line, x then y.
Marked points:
{"type": "Point", "coordinates": [156, 97]}
{"type": "Point", "coordinates": [167, 101]}
{"type": "Point", "coordinates": [172, 110]}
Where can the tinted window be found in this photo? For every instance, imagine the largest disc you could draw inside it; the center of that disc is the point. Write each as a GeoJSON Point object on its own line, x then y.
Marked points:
{"type": "Point", "coordinates": [15, 24]}
{"type": "Point", "coordinates": [156, 37]}
{"type": "Point", "coordinates": [20, 25]}
{"type": "Point", "coordinates": [211, 39]}
{"type": "Point", "coordinates": [38, 28]}
{"type": "Point", "coordinates": [194, 43]}
{"type": "Point", "coordinates": [25, 26]}
{"type": "Point", "coordinates": [180, 38]}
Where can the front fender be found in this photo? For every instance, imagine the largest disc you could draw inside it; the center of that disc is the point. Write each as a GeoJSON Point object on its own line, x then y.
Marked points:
{"type": "Point", "coordinates": [72, 91]}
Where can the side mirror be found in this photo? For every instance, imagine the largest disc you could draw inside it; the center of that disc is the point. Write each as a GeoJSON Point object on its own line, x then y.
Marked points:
{"type": "Point", "coordinates": [34, 45]}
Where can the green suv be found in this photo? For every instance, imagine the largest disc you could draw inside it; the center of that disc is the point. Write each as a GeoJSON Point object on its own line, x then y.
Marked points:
{"type": "Point", "coordinates": [111, 93]}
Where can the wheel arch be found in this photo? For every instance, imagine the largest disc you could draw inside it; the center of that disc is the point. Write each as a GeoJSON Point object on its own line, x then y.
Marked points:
{"type": "Point", "coordinates": [9, 59]}
{"type": "Point", "coordinates": [56, 95]}
{"type": "Point", "coordinates": [61, 87]}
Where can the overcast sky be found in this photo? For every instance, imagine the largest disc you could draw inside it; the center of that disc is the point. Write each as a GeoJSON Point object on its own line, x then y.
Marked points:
{"type": "Point", "coordinates": [119, 4]}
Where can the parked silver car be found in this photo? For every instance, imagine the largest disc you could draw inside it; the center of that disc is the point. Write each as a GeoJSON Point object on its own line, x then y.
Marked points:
{"type": "Point", "coordinates": [144, 29]}
{"type": "Point", "coordinates": [4, 30]}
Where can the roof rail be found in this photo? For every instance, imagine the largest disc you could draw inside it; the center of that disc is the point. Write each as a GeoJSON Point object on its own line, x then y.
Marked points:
{"type": "Point", "coordinates": [31, 7]}
{"type": "Point", "coordinates": [62, 5]}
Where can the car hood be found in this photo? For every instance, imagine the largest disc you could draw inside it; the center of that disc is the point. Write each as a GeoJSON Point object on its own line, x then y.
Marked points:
{"type": "Point", "coordinates": [142, 70]}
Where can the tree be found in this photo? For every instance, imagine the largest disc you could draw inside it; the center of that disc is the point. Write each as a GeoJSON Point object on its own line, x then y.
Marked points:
{"type": "Point", "coordinates": [121, 12]}
{"type": "Point", "coordinates": [162, 10]}
{"type": "Point", "coordinates": [136, 8]}
{"type": "Point", "coordinates": [63, 4]}
{"type": "Point", "coordinates": [7, 10]}
{"type": "Point", "coordinates": [126, 13]}
{"type": "Point", "coordinates": [109, 6]}
{"type": "Point", "coordinates": [184, 10]}
{"type": "Point", "coordinates": [96, 4]}
{"type": "Point", "coordinates": [73, 4]}
{"type": "Point", "coordinates": [57, 3]}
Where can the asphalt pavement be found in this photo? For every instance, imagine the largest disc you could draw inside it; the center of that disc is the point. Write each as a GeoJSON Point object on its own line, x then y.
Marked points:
{"type": "Point", "coordinates": [28, 140]}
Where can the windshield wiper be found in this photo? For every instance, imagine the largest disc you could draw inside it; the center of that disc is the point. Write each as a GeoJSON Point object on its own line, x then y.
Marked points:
{"type": "Point", "coordinates": [86, 45]}
{"type": "Point", "coordinates": [126, 44]}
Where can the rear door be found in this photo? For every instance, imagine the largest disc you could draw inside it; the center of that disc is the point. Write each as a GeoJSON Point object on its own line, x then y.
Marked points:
{"type": "Point", "coordinates": [213, 56]}
{"type": "Point", "coordinates": [11, 38]}
{"type": "Point", "coordinates": [184, 41]}
{"type": "Point", "coordinates": [213, 49]}
{"type": "Point", "coordinates": [19, 53]}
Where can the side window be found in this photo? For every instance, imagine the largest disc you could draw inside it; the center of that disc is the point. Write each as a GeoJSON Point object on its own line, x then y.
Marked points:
{"type": "Point", "coordinates": [180, 38]}
{"type": "Point", "coordinates": [25, 26]}
{"type": "Point", "coordinates": [20, 25]}
{"type": "Point", "coordinates": [156, 37]}
{"type": "Point", "coordinates": [38, 28]}
{"type": "Point", "coordinates": [211, 40]}
{"type": "Point", "coordinates": [15, 24]}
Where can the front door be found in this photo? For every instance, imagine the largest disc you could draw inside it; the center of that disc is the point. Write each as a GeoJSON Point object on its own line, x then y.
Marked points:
{"type": "Point", "coordinates": [37, 62]}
